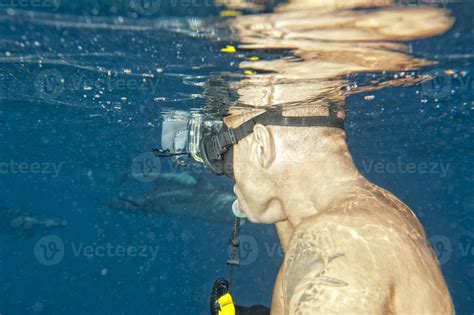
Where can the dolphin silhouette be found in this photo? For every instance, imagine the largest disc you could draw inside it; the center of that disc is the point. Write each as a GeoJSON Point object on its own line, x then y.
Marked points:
{"type": "Point", "coordinates": [180, 194]}
{"type": "Point", "coordinates": [22, 225]}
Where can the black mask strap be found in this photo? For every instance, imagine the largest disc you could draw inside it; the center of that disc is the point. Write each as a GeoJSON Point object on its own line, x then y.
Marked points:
{"type": "Point", "coordinates": [228, 137]}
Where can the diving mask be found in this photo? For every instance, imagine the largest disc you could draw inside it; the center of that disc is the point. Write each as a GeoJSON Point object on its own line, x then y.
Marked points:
{"type": "Point", "coordinates": [211, 142]}
{"type": "Point", "coordinates": [183, 137]}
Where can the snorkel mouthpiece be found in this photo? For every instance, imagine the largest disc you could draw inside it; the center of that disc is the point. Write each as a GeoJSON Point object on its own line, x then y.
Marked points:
{"type": "Point", "coordinates": [236, 210]}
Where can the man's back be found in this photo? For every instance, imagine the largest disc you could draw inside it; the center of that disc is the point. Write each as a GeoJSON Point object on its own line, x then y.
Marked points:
{"type": "Point", "coordinates": [365, 254]}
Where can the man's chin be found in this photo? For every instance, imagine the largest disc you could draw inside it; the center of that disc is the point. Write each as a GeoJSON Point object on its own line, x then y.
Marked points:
{"type": "Point", "coordinates": [251, 220]}
{"type": "Point", "coordinates": [260, 220]}
{"type": "Point", "coordinates": [252, 216]}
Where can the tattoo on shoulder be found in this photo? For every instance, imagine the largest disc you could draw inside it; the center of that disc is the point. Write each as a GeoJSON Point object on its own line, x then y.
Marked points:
{"type": "Point", "coordinates": [304, 276]}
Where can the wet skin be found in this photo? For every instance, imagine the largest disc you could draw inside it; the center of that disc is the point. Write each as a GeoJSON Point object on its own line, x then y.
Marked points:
{"type": "Point", "coordinates": [365, 254]}
{"type": "Point", "coordinates": [351, 247]}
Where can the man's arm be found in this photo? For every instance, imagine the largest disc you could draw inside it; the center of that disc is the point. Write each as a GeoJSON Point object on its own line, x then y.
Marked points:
{"type": "Point", "coordinates": [332, 269]}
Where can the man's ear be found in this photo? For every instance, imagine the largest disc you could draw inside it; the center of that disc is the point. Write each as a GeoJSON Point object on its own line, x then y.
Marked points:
{"type": "Point", "coordinates": [264, 146]}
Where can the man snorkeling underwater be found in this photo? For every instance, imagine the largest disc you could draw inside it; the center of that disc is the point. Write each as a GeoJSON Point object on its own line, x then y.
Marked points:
{"type": "Point", "coordinates": [354, 247]}
{"type": "Point", "coordinates": [351, 247]}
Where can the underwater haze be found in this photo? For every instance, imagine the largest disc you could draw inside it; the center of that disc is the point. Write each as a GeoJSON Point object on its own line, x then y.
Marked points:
{"type": "Point", "coordinates": [91, 222]}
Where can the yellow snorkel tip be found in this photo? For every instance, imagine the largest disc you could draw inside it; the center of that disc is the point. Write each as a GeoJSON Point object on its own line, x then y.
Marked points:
{"type": "Point", "coordinates": [226, 305]}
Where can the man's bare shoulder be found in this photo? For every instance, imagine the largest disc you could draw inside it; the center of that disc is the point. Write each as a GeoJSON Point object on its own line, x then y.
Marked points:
{"type": "Point", "coordinates": [345, 260]}
{"type": "Point", "coordinates": [361, 238]}
{"type": "Point", "coordinates": [379, 226]}
{"type": "Point", "coordinates": [350, 259]}
{"type": "Point", "coordinates": [372, 207]}
{"type": "Point", "coordinates": [334, 267]}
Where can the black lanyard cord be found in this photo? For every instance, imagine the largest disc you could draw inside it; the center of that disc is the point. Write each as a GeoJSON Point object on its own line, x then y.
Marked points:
{"type": "Point", "coordinates": [234, 243]}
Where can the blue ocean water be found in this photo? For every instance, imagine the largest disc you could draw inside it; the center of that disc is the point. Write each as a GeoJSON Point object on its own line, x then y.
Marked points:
{"type": "Point", "coordinates": [82, 88]}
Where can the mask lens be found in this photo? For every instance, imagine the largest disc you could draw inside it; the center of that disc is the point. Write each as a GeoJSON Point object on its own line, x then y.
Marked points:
{"type": "Point", "coordinates": [174, 136]}
{"type": "Point", "coordinates": [191, 135]}
{"type": "Point", "coordinates": [174, 132]}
